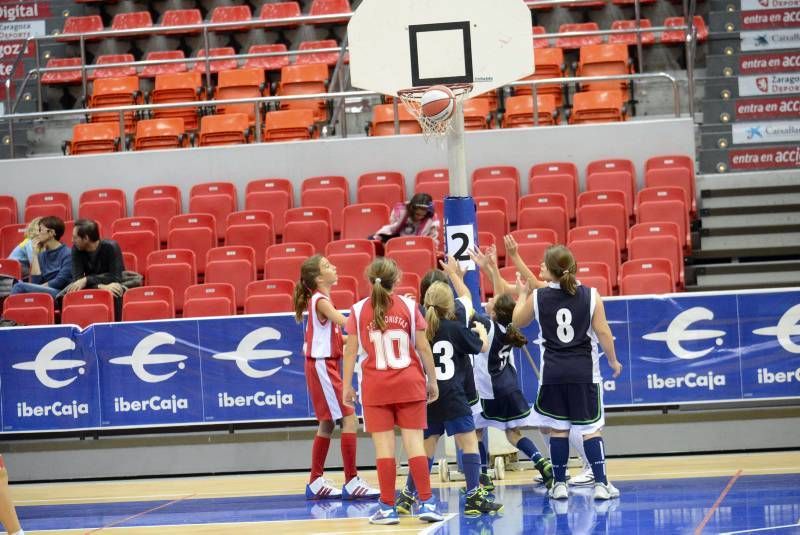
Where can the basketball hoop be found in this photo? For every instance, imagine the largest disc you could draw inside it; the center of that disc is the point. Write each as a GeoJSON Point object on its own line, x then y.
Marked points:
{"type": "Point", "coordinates": [412, 99]}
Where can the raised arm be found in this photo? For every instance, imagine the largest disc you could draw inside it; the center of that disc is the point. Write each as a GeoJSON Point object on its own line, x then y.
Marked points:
{"type": "Point", "coordinates": [523, 310]}
{"type": "Point", "coordinates": [453, 270]}
{"type": "Point", "coordinates": [488, 263]}
{"type": "Point", "coordinates": [513, 253]}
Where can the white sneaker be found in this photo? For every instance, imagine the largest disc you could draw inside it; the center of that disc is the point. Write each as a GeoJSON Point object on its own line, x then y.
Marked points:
{"type": "Point", "coordinates": [321, 489]}
{"type": "Point", "coordinates": [584, 479]}
{"type": "Point", "coordinates": [357, 488]}
{"type": "Point", "coordinates": [605, 491]}
{"type": "Point", "coordinates": [559, 491]}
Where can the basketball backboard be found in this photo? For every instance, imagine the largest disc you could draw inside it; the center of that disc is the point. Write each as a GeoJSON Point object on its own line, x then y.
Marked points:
{"type": "Point", "coordinates": [401, 44]}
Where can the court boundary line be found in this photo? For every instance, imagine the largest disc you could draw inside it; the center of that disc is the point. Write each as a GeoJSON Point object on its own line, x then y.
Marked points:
{"type": "Point", "coordinates": [699, 529]}
{"type": "Point", "coordinates": [761, 529]}
{"type": "Point", "coordinates": [433, 528]}
{"type": "Point", "coordinates": [138, 515]}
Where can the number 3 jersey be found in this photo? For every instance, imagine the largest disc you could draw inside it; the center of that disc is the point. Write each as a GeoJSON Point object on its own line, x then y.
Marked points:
{"type": "Point", "coordinates": [569, 349]}
{"type": "Point", "coordinates": [392, 372]}
{"type": "Point", "coordinates": [452, 347]}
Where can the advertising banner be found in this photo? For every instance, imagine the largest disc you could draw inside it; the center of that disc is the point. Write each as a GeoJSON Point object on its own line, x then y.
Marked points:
{"type": "Point", "coordinates": [770, 132]}
{"type": "Point", "coordinates": [770, 18]}
{"type": "Point", "coordinates": [757, 5]}
{"type": "Point", "coordinates": [675, 349]}
{"type": "Point", "coordinates": [764, 158]}
{"type": "Point", "coordinates": [769, 84]}
{"type": "Point", "coordinates": [775, 62]}
{"type": "Point", "coordinates": [770, 40]}
{"type": "Point", "coordinates": [751, 109]}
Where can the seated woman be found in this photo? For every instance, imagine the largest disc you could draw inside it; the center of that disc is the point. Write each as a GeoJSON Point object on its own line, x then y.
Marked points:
{"type": "Point", "coordinates": [414, 218]}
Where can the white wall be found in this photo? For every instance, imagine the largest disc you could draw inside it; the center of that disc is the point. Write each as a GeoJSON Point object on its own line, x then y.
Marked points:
{"type": "Point", "coordinates": [580, 144]}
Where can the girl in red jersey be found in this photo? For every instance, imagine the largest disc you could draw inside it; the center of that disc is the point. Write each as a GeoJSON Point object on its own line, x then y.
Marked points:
{"type": "Point", "coordinates": [323, 349]}
{"type": "Point", "coordinates": [390, 330]}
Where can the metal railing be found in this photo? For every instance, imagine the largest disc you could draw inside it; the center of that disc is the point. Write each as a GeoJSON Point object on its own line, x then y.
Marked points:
{"type": "Point", "coordinates": [258, 101]}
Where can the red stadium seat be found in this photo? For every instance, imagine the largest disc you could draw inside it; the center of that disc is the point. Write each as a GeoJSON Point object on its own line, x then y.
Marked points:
{"type": "Point", "coordinates": [388, 194]}
{"type": "Point", "coordinates": [535, 235]}
{"type": "Point", "coordinates": [103, 205]}
{"type": "Point", "coordinates": [283, 267]}
{"type": "Point", "coordinates": [311, 224]}
{"type": "Point", "coordinates": [496, 222]}
{"type": "Point", "coordinates": [269, 297]}
{"type": "Point", "coordinates": [10, 268]}
{"type": "Point", "coordinates": [363, 220]}
{"type": "Point", "coordinates": [505, 187]}
{"type": "Point", "coordinates": [286, 249]}
{"type": "Point", "coordinates": [204, 300]}
{"type": "Point", "coordinates": [577, 42]}
{"type": "Point", "coordinates": [380, 178]}
{"type": "Point", "coordinates": [660, 246]}
{"type": "Point", "coordinates": [408, 285]}
{"type": "Point", "coordinates": [539, 42]}
{"type": "Point", "coordinates": [274, 12]}
{"type": "Point", "coordinates": [227, 129]}
{"type": "Point", "coordinates": [319, 58]}
{"type": "Point", "coordinates": [613, 175]}
{"type": "Point", "coordinates": [76, 25]}
{"type": "Point", "coordinates": [382, 123]}
{"type": "Point", "coordinates": [112, 72]}
{"type": "Point", "coordinates": [598, 107]}
{"type": "Point", "coordinates": [327, 182]}
{"type": "Point", "coordinates": [330, 7]}
{"type": "Point", "coordinates": [197, 232]}
{"type": "Point", "coordinates": [137, 235]}
{"type": "Point", "coordinates": [267, 63]}
{"type": "Point", "coordinates": [303, 80]}
{"type": "Point", "coordinates": [131, 21]}
{"type": "Point", "coordinates": [10, 237]}
{"type": "Point", "coordinates": [29, 309]}
{"type": "Point", "coordinates": [646, 276]}
{"type": "Point", "coordinates": [531, 253]}
{"type": "Point", "coordinates": [173, 87]}
{"type": "Point", "coordinates": [289, 125]}
{"type": "Point", "coordinates": [153, 71]}
{"type": "Point", "coordinates": [345, 293]}
{"type": "Point", "coordinates": [216, 198]}
{"type": "Point", "coordinates": [62, 77]}
{"type": "Point", "coordinates": [181, 17]}
{"type": "Point", "coordinates": [432, 175]}
{"type": "Point", "coordinates": [334, 199]}
{"type": "Point", "coordinates": [238, 84]}
{"type": "Point", "coordinates": [598, 250]}
{"type": "Point", "coordinates": [130, 262]}
{"type": "Point", "coordinates": [673, 211]}
{"type": "Point", "coordinates": [592, 232]}
{"type": "Point", "coordinates": [648, 38]}
{"type": "Point", "coordinates": [651, 229]}
{"type": "Point", "coordinates": [50, 203]}
{"type": "Point", "coordinates": [276, 195]}
{"type": "Point", "coordinates": [551, 217]}
{"type": "Point", "coordinates": [416, 254]}
{"type": "Point", "coordinates": [148, 303]}
{"type": "Point", "coordinates": [8, 210]}
{"type": "Point", "coordinates": [672, 170]}
{"type": "Point", "coordinates": [353, 265]}
{"type": "Point", "coordinates": [606, 214]}
{"type": "Point", "coordinates": [352, 245]}
{"type": "Point", "coordinates": [228, 14]}
{"type": "Point", "coordinates": [85, 307]}
{"type": "Point", "coordinates": [160, 202]}
{"type": "Point", "coordinates": [679, 36]}
{"type": "Point", "coordinates": [556, 177]}
{"type": "Point", "coordinates": [233, 264]}
{"type": "Point", "coordinates": [174, 268]}
{"type": "Point", "coordinates": [216, 65]}
{"type": "Point", "coordinates": [483, 203]}
{"type": "Point", "coordinates": [437, 190]}
{"type": "Point", "coordinates": [596, 275]}
{"type": "Point", "coordinates": [519, 111]}
{"type": "Point", "coordinates": [253, 228]}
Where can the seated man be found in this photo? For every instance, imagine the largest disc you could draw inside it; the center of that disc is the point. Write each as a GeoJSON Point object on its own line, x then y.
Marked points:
{"type": "Point", "coordinates": [50, 268]}
{"type": "Point", "coordinates": [96, 263]}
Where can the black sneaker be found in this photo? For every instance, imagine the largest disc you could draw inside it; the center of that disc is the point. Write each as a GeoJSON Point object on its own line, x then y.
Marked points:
{"type": "Point", "coordinates": [545, 467]}
{"type": "Point", "coordinates": [405, 502]}
{"type": "Point", "coordinates": [486, 481]}
{"type": "Point", "coordinates": [477, 504]}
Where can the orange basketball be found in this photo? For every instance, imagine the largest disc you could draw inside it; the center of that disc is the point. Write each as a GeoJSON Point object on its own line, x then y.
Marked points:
{"type": "Point", "coordinates": [438, 103]}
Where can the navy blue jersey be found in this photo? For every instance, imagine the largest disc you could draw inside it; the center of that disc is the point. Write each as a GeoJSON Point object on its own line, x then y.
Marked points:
{"type": "Point", "coordinates": [496, 375]}
{"type": "Point", "coordinates": [451, 347]}
{"type": "Point", "coordinates": [565, 323]}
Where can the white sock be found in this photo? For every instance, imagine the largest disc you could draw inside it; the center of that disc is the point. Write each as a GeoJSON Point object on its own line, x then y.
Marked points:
{"type": "Point", "coordinates": [576, 441]}
{"type": "Point", "coordinates": [20, 532]}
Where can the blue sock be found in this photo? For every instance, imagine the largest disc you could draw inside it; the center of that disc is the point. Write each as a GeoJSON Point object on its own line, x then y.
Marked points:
{"type": "Point", "coordinates": [410, 481]}
{"type": "Point", "coordinates": [526, 446]}
{"type": "Point", "coordinates": [482, 453]}
{"type": "Point", "coordinates": [559, 455]}
{"type": "Point", "coordinates": [596, 454]}
{"type": "Point", "coordinates": [472, 470]}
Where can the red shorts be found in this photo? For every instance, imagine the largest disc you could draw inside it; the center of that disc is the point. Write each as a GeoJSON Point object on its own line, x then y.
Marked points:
{"type": "Point", "coordinates": [324, 380]}
{"type": "Point", "coordinates": [408, 415]}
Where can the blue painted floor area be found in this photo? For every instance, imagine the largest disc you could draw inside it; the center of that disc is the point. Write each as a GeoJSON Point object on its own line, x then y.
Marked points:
{"type": "Point", "coordinates": [645, 507]}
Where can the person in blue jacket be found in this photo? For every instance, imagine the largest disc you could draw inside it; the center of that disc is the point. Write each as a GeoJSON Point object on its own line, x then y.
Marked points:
{"type": "Point", "coordinates": [51, 265]}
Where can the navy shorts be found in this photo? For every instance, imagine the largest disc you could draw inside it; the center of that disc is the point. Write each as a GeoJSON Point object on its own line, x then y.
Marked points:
{"type": "Point", "coordinates": [462, 424]}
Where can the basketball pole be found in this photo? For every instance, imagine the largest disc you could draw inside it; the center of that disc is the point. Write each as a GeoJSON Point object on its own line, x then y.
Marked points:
{"type": "Point", "coordinates": [460, 220]}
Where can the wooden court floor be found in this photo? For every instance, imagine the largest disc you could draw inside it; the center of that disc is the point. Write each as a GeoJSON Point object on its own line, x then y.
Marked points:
{"type": "Point", "coordinates": [158, 495]}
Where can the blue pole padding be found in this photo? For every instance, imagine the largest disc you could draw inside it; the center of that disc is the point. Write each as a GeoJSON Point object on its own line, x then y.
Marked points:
{"type": "Point", "coordinates": [461, 235]}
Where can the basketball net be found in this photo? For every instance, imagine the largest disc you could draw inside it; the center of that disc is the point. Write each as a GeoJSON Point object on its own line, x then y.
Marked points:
{"type": "Point", "coordinates": [412, 100]}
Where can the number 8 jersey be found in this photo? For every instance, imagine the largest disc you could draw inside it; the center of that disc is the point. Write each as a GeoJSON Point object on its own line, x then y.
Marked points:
{"type": "Point", "coordinates": [569, 350]}
{"type": "Point", "coordinates": [392, 371]}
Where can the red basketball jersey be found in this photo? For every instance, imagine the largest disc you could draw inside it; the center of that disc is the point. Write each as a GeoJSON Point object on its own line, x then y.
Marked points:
{"type": "Point", "coordinates": [392, 371]}
{"type": "Point", "coordinates": [323, 337]}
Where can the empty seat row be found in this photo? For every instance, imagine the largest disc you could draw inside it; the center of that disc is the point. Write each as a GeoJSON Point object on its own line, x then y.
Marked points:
{"type": "Point", "coordinates": [627, 38]}
{"type": "Point", "coordinates": [271, 15]}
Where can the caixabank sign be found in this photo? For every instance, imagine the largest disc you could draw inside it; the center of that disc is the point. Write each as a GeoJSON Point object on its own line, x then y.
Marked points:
{"type": "Point", "coordinates": [676, 349]}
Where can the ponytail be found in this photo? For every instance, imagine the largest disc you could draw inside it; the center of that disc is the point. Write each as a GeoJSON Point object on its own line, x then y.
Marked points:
{"type": "Point", "coordinates": [382, 273]}
{"type": "Point", "coordinates": [305, 286]}
{"type": "Point", "coordinates": [439, 304]}
{"type": "Point", "coordinates": [515, 337]}
{"type": "Point", "coordinates": [568, 282]}
{"type": "Point", "coordinates": [432, 319]}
